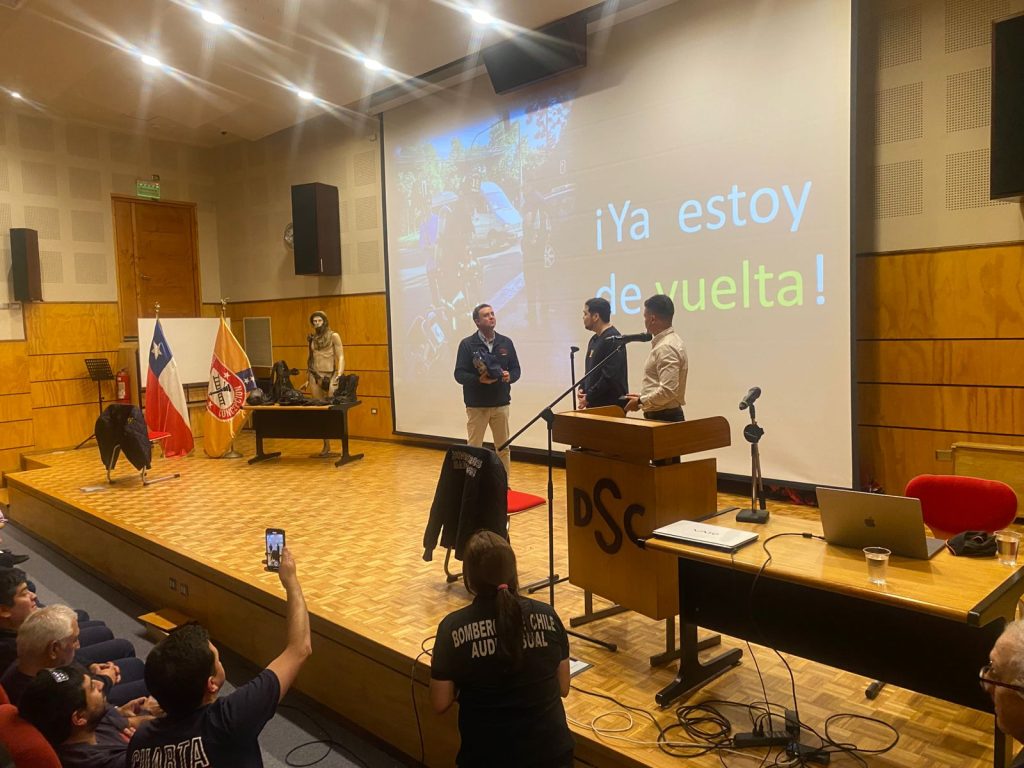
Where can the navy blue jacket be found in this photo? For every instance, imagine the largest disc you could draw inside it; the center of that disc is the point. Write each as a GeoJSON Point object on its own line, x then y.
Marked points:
{"type": "Point", "coordinates": [474, 393]}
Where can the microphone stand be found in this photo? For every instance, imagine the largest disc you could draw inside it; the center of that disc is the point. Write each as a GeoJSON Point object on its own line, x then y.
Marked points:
{"type": "Point", "coordinates": [572, 371]}
{"type": "Point", "coordinates": [549, 418]}
{"type": "Point", "coordinates": [758, 512]}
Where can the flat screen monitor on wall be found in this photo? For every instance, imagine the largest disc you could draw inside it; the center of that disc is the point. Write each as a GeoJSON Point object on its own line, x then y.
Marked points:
{"type": "Point", "coordinates": [703, 153]}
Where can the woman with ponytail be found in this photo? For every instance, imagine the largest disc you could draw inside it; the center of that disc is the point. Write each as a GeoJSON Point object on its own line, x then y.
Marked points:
{"type": "Point", "coordinates": [505, 658]}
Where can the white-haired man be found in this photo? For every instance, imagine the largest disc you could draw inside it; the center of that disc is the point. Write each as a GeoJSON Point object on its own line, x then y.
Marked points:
{"type": "Point", "coordinates": [1003, 678]}
{"type": "Point", "coordinates": [48, 638]}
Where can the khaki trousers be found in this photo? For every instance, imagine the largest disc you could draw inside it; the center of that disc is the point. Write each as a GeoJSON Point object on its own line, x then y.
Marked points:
{"type": "Point", "coordinates": [477, 421]}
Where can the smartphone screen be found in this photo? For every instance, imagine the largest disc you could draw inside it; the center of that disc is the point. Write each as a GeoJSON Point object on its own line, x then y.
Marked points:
{"type": "Point", "coordinates": [275, 546]}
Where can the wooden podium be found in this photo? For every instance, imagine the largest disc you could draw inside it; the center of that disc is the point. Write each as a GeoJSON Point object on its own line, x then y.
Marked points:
{"type": "Point", "coordinates": [616, 495]}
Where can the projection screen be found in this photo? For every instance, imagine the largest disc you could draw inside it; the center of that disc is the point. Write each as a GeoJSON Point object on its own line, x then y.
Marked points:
{"type": "Point", "coordinates": [703, 153]}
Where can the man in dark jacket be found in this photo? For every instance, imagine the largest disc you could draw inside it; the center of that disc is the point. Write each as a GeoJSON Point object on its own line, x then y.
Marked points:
{"type": "Point", "coordinates": [487, 366]}
{"type": "Point", "coordinates": [609, 382]}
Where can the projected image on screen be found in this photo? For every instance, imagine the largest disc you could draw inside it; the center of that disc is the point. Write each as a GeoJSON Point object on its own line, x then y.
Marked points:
{"type": "Point", "coordinates": [704, 154]}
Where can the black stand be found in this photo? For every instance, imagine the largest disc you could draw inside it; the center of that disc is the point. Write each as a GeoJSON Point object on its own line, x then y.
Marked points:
{"type": "Point", "coordinates": [549, 417]}
{"type": "Point", "coordinates": [99, 371]}
{"type": "Point", "coordinates": [758, 512]}
{"type": "Point", "coordinates": [572, 372]}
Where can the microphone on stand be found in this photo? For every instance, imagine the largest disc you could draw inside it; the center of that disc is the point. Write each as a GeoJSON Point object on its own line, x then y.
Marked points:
{"type": "Point", "coordinates": [631, 337]}
{"type": "Point", "coordinates": [573, 350]}
{"type": "Point", "coordinates": [752, 394]}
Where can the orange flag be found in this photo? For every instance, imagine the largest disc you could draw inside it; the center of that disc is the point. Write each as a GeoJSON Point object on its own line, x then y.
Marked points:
{"type": "Point", "coordinates": [230, 380]}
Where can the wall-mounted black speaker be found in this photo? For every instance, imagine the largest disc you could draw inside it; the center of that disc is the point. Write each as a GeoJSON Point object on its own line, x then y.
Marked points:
{"type": "Point", "coordinates": [25, 265]}
{"type": "Point", "coordinates": [531, 57]}
{"type": "Point", "coordinates": [1006, 175]}
{"type": "Point", "coordinates": [316, 229]}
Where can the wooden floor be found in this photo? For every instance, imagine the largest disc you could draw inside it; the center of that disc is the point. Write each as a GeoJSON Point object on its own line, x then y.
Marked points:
{"type": "Point", "coordinates": [356, 532]}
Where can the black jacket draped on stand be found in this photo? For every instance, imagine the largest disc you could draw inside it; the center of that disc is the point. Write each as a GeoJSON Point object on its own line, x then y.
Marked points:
{"type": "Point", "coordinates": [472, 494]}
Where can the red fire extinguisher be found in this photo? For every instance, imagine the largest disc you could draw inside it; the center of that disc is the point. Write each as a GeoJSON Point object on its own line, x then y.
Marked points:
{"type": "Point", "coordinates": [123, 384]}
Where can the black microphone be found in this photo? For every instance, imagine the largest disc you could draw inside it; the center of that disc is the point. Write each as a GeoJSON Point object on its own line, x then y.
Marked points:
{"type": "Point", "coordinates": [752, 395]}
{"type": "Point", "coordinates": [574, 350]}
{"type": "Point", "coordinates": [631, 337]}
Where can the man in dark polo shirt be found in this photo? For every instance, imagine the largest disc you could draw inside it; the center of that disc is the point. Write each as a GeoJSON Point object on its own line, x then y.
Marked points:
{"type": "Point", "coordinates": [610, 382]}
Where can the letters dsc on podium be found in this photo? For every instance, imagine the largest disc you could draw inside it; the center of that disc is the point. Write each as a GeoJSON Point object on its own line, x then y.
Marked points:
{"type": "Point", "coordinates": [615, 495]}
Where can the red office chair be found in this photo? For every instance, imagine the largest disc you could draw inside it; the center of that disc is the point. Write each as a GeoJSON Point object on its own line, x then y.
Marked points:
{"type": "Point", "coordinates": [23, 742]}
{"type": "Point", "coordinates": [952, 504]}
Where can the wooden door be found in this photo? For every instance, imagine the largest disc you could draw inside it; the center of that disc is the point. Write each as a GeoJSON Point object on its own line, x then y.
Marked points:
{"type": "Point", "coordinates": [157, 260]}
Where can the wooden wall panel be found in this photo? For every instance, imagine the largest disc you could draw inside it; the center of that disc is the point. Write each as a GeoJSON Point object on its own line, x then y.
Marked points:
{"type": "Point", "coordinates": [992, 362]}
{"type": "Point", "coordinates": [973, 293]}
{"type": "Point", "coordinates": [992, 410]}
{"type": "Point", "coordinates": [16, 434]}
{"type": "Point", "coordinates": [15, 408]}
{"type": "Point", "coordinates": [63, 427]}
{"type": "Point", "coordinates": [124, 253]}
{"type": "Point", "coordinates": [13, 364]}
{"type": "Point", "coordinates": [70, 328]}
{"type": "Point", "coordinates": [67, 366]}
{"type": "Point", "coordinates": [363, 422]}
{"type": "Point", "coordinates": [893, 456]}
{"type": "Point", "coordinates": [46, 394]}
{"type": "Point", "coordinates": [367, 357]}
{"type": "Point", "coordinates": [10, 460]}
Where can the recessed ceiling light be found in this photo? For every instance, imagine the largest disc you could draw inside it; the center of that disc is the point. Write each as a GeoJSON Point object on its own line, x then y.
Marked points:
{"type": "Point", "coordinates": [305, 95]}
{"type": "Point", "coordinates": [372, 64]}
{"type": "Point", "coordinates": [212, 18]}
{"type": "Point", "coordinates": [15, 95]}
{"type": "Point", "coordinates": [150, 61]}
{"type": "Point", "coordinates": [481, 16]}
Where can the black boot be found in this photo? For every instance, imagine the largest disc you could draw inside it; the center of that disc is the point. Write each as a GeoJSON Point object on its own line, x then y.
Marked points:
{"type": "Point", "coordinates": [350, 388]}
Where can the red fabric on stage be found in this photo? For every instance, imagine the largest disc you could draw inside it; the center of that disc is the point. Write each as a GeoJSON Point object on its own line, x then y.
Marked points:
{"type": "Point", "coordinates": [520, 502]}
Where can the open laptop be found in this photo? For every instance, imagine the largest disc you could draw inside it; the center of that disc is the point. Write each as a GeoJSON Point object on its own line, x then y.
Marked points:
{"type": "Point", "coordinates": [856, 519]}
{"type": "Point", "coordinates": [704, 535]}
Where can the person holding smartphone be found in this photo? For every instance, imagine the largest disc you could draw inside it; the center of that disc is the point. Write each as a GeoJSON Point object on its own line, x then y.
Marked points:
{"type": "Point", "coordinates": [185, 675]}
{"type": "Point", "coordinates": [505, 658]}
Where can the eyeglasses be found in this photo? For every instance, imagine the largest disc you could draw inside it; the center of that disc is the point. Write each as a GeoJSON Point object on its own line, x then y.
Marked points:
{"type": "Point", "coordinates": [984, 679]}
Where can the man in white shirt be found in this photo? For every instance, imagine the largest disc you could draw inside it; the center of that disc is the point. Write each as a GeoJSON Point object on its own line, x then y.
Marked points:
{"type": "Point", "coordinates": [663, 391]}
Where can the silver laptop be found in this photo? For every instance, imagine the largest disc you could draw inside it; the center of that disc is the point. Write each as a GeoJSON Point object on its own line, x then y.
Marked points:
{"type": "Point", "coordinates": [855, 519]}
{"type": "Point", "coordinates": [704, 535]}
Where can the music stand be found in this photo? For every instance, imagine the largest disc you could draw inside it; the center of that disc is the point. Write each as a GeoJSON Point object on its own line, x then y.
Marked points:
{"type": "Point", "coordinates": [99, 371]}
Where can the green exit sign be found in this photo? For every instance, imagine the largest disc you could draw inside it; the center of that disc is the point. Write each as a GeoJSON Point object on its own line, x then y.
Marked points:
{"type": "Point", "coordinates": [147, 188]}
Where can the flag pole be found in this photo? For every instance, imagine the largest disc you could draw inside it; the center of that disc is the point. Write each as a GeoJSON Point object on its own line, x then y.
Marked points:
{"type": "Point", "coordinates": [232, 453]}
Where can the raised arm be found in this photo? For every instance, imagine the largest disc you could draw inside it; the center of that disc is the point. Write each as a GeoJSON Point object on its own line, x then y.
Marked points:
{"type": "Point", "coordinates": [299, 647]}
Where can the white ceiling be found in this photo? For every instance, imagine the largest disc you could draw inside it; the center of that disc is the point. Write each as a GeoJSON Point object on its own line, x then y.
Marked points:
{"type": "Point", "coordinates": [79, 59]}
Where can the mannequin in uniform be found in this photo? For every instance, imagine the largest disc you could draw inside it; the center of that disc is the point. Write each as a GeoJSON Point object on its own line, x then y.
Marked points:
{"type": "Point", "coordinates": [326, 362]}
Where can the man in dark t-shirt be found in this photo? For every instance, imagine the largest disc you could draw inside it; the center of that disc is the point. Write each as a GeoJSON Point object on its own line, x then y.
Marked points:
{"type": "Point", "coordinates": [524, 702]}
{"type": "Point", "coordinates": [185, 675]}
{"type": "Point", "coordinates": [610, 382]}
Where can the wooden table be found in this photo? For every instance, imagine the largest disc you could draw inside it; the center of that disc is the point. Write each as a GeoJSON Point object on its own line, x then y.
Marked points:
{"type": "Point", "coordinates": [325, 422]}
{"type": "Point", "coordinates": [929, 629]}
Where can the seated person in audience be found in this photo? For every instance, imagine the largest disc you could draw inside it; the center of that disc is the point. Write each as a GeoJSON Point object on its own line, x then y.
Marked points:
{"type": "Point", "coordinates": [18, 600]}
{"type": "Point", "coordinates": [185, 675]}
{"type": "Point", "coordinates": [49, 638]}
{"type": "Point", "coordinates": [69, 708]}
{"type": "Point", "coordinates": [1003, 678]}
{"type": "Point", "coordinates": [505, 658]}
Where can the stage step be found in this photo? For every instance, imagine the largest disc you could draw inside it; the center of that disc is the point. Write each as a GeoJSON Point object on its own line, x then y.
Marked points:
{"type": "Point", "coordinates": [161, 623]}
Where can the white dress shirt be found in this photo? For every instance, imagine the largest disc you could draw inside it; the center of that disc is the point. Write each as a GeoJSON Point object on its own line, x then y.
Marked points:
{"type": "Point", "coordinates": [664, 384]}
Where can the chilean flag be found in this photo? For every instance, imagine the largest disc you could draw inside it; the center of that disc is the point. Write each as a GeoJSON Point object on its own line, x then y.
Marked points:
{"type": "Point", "coordinates": [166, 409]}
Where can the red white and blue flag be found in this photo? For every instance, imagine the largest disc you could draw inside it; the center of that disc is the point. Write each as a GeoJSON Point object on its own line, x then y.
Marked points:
{"type": "Point", "coordinates": [166, 408]}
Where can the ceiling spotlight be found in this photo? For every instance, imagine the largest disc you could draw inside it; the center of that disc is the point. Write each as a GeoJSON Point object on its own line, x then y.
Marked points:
{"type": "Point", "coordinates": [372, 64]}
{"type": "Point", "coordinates": [305, 95]}
{"type": "Point", "coordinates": [212, 18]}
{"type": "Point", "coordinates": [15, 95]}
{"type": "Point", "coordinates": [481, 16]}
{"type": "Point", "coordinates": [150, 61]}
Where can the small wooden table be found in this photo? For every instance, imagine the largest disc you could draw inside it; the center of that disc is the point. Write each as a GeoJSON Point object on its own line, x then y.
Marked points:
{"type": "Point", "coordinates": [325, 422]}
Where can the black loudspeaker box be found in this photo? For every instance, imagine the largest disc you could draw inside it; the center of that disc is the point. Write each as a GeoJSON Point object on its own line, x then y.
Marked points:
{"type": "Point", "coordinates": [316, 229]}
{"type": "Point", "coordinates": [25, 265]}
{"type": "Point", "coordinates": [1006, 175]}
{"type": "Point", "coordinates": [531, 57]}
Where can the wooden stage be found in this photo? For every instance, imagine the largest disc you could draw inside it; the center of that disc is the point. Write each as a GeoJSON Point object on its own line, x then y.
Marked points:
{"type": "Point", "coordinates": [356, 532]}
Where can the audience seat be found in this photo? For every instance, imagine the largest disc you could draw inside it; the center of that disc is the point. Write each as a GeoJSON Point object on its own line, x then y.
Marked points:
{"type": "Point", "coordinates": [952, 504]}
{"type": "Point", "coordinates": [25, 744]}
